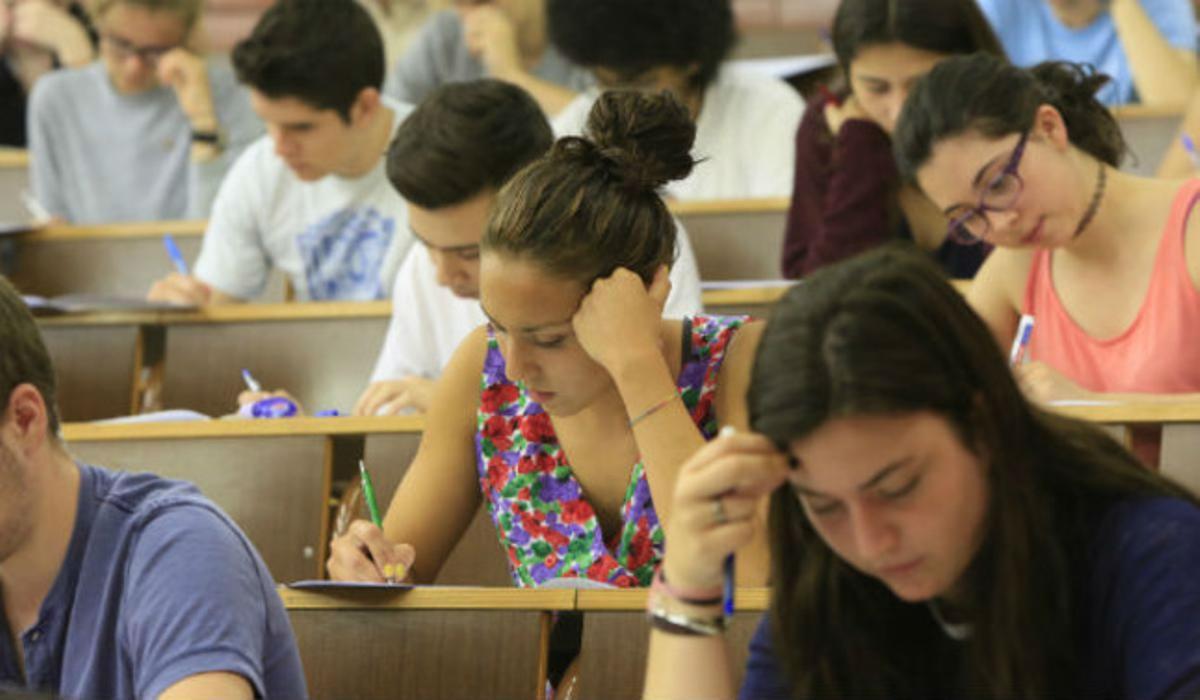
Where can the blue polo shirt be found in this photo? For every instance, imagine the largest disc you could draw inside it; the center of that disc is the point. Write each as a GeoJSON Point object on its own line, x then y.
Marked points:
{"type": "Point", "coordinates": [1031, 33]}
{"type": "Point", "coordinates": [1141, 599]}
{"type": "Point", "coordinates": [157, 585]}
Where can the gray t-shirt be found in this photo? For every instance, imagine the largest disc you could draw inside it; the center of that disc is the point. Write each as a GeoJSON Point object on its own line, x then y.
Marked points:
{"type": "Point", "coordinates": [439, 55]}
{"type": "Point", "coordinates": [98, 156]}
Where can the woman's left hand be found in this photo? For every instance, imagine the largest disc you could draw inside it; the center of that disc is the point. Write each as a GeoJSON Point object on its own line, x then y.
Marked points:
{"type": "Point", "coordinates": [1043, 384]}
{"type": "Point", "coordinates": [618, 321]}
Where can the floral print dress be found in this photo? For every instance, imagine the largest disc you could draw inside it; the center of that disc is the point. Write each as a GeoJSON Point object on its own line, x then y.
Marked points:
{"type": "Point", "coordinates": [542, 518]}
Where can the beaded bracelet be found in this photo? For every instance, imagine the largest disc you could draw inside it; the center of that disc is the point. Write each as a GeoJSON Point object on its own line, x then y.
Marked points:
{"type": "Point", "coordinates": [653, 409]}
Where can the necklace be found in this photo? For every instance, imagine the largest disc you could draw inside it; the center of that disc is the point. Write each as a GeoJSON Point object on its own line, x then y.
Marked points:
{"type": "Point", "coordinates": [1095, 204]}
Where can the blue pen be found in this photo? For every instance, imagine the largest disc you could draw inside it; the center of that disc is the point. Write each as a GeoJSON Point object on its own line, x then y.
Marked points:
{"type": "Point", "coordinates": [175, 254]}
{"type": "Point", "coordinates": [1190, 146]}
{"type": "Point", "coordinates": [729, 566]}
{"type": "Point", "coordinates": [1021, 341]}
{"type": "Point", "coordinates": [251, 383]}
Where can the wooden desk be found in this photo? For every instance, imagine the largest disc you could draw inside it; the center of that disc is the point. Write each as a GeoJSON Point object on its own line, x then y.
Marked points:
{"type": "Point", "coordinates": [14, 177]}
{"type": "Point", "coordinates": [278, 480]}
{"type": "Point", "coordinates": [735, 239]}
{"type": "Point", "coordinates": [616, 639]}
{"type": "Point", "coordinates": [322, 352]}
{"type": "Point", "coordinates": [425, 643]}
{"type": "Point", "coordinates": [1149, 132]}
{"type": "Point", "coordinates": [1180, 454]}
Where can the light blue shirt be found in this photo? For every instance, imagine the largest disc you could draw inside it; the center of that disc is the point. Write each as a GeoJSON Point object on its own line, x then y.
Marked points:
{"type": "Point", "coordinates": [1031, 33]}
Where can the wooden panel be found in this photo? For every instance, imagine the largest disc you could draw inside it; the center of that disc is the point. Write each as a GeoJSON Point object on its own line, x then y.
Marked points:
{"type": "Point", "coordinates": [325, 364]}
{"type": "Point", "coordinates": [427, 654]}
{"type": "Point", "coordinates": [737, 244]}
{"type": "Point", "coordinates": [14, 178]}
{"type": "Point", "coordinates": [94, 366]}
{"type": "Point", "coordinates": [612, 663]}
{"type": "Point", "coordinates": [271, 487]}
{"type": "Point", "coordinates": [478, 560]}
{"type": "Point", "coordinates": [110, 266]}
{"type": "Point", "coordinates": [1149, 133]}
{"type": "Point", "coordinates": [1180, 456]}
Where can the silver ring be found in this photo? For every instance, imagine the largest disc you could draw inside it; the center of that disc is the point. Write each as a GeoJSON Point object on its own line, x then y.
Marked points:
{"type": "Point", "coordinates": [719, 511]}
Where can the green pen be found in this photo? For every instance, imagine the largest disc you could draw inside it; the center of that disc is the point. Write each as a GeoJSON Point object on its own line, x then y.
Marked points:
{"type": "Point", "coordinates": [373, 508]}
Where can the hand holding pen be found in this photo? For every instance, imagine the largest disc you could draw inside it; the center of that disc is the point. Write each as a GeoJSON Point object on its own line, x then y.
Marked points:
{"type": "Point", "coordinates": [716, 511]}
{"type": "Point", "coordinates": [179, 287]}
{"type": "Point", "coordinates": [359, 550]}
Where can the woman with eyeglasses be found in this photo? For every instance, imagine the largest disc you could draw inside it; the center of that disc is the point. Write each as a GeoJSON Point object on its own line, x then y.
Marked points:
{"type": "Point", "coordinates": [147, 132]}
{"type": "Point", "coordinates": [933, 534]}
{"type": "Point", "coordinates": [847, 196]}
{"type": "Point", "coordinates": [1107, 263]}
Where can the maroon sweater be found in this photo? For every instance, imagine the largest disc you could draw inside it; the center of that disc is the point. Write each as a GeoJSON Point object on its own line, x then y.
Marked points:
{"type": "Point", "coordinates": [844, 199]}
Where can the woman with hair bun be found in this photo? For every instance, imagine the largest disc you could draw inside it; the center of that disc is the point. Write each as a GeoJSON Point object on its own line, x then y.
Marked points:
{"type": "Point", "coordinates": [571, 411]}
{"type": "Point", "coordinates": [1107, 263]}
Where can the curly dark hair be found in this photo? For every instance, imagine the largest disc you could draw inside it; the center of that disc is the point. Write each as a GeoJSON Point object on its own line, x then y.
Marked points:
{"type": "Point", "coordinates": [632, 36]}
{"type": "Point", "coordinates": [321, 52]}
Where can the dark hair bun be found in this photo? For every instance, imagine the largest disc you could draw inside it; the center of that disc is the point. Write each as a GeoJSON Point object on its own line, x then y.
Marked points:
{"type": "Point", "coordinates": [644, 141]}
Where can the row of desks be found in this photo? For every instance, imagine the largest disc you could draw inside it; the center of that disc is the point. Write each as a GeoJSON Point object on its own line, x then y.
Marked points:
{"type": "Point", "coordinates": [117, 363]}
{"type": "Point", "coordinates": [280, 479]}
{"type": "Point", "coordinates": [479, 642]}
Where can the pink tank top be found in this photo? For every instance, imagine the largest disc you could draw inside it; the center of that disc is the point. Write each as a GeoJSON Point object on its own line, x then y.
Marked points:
{"type": "Point", "coordinates": [1160, 351]}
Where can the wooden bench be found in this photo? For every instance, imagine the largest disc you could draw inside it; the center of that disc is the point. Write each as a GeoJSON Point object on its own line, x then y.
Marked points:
{"type": "Point", "coordinates": [14, 177]}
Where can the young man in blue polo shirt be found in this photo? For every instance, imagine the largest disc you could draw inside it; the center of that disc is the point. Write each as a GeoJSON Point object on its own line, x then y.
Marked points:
{"type": "Point", "coordinates": [119, 585]}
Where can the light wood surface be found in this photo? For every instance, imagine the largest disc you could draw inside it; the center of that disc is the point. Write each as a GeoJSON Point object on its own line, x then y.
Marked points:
{"type": "Point", "coordinates": [14, 158]}
{"type": "Point", "coordinates": [238, 427]}
{"type": "Point", "coordinates": [634, 600]}
{"type": "Point", "coordinates": [431, 598]}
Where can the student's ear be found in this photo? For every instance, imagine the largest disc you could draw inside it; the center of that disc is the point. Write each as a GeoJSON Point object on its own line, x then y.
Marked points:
{"type": "Point", "coordinates": [1048, 123]}
{"type": "Point", "coordinates": [26, 419]}
{"type": "Point", "coordinates": [366, 106]}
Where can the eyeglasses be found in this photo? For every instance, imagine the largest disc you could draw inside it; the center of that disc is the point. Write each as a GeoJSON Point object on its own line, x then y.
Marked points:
{"type": "Point", "coordinates": [122, 49]}
{"type": "Point", "coordinates": [969, 226]}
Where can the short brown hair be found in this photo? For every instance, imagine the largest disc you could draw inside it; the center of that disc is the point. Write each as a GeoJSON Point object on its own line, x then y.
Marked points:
{"type": "Point", "coordinates": [23, 355]}
{"type": "Point", "coordinates": [592, 204]}
{"type": "Point", "coordinates": [188, 10]}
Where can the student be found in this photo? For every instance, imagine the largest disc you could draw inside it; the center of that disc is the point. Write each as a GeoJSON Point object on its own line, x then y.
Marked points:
{"type": "Point", "coordinates": [1148, 47]}
{"type": "Point", "coordinates": [147, 132]}
{"type": "Point", "coordinates": [448, 161]}
{"type": "Point", "coordinates": [1108, 263]}
{"type": "Point", "coordinates": [36, 36]}
{"type": "Point", "coordinates": [744, 123]}
{"type": "Point", "coordinates": [503, 39]}
{"type": "Point", "coordinates": [589, 400]}
{"type": "Point", "coordinates": [936, 536]}
{"type": "Point", "coordinates": [847, 196]}
{"type": "Point", "coordinates": [120, 585]}
{"type": "Point", "coordinates": [311, 198]}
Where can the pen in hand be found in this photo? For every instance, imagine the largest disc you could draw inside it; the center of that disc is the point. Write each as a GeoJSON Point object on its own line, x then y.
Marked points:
{"type": "Point", "coordinates": [373, 508]}
{"type": "Point", "coordinates": [1021, 342]}
{"type": "Point", "coordinates": [251, 383]}
{"type": "Point", "coordinates": [175, 254]}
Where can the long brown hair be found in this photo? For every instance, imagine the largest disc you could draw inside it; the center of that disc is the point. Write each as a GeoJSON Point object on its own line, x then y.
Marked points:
{"type": "Point", "coordinates": [886, 334]}
{"type": "Point", "coordinates": [592, 204]}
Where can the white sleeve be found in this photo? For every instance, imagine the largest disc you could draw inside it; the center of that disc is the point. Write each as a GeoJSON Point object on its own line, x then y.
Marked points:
{"type": "Point", "coordinates": [573, 118]}
{"type": "Point", "coordinates": [403, 354]}
{"type": "Point", "coordinates": [773, 134]}
{"type": "Point", "coordinates": [685, 298]}
{"type": "Point", "coordinates": [233, 257]}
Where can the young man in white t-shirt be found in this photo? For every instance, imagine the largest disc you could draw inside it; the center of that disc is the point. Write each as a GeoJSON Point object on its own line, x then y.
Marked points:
{"type": "Point", "coordinates": [745, 124]}
{"type": "Point", "coordinates": [449, 160]}
{"type": "Point", "coordinates": [311, 198]}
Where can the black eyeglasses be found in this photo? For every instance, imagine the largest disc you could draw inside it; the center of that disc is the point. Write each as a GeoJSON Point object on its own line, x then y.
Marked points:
{"type": "Point", "coordinates": [969, 226]}
{"type": "Point", "coordinates": [123, 49]}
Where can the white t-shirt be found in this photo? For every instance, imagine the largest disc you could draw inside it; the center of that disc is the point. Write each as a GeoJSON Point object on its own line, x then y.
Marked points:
{"type": "Point", "coordinates": [336, 238]}
{"type": "Point", "coordinates": [429, 321]}
{"type": "Point", "coordinates": [746, 132]}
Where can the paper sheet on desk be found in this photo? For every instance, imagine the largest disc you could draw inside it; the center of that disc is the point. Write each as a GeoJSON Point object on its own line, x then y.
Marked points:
{"type": "Point", "coordinates": [93, 303]}
{"type": "Point", "coordinates": [320, 585]}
